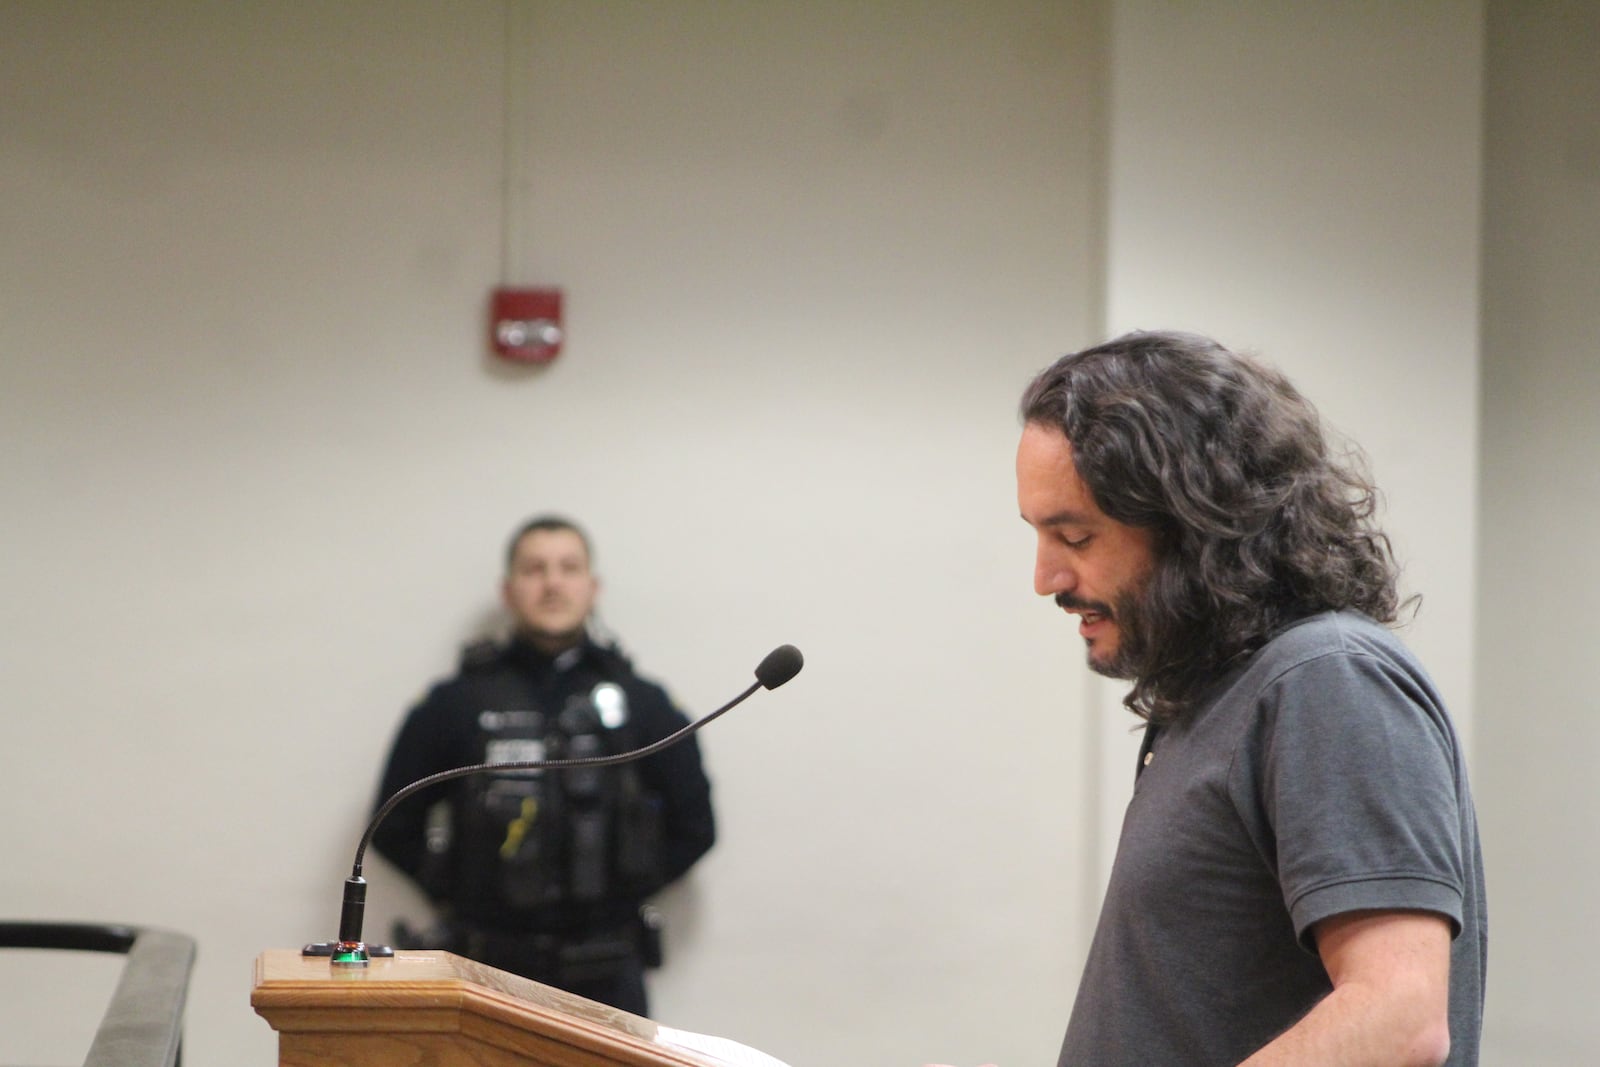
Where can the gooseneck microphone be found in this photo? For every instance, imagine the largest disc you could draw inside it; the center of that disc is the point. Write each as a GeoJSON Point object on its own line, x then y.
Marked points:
{"type": "Point", "coordinates": [779, 665]}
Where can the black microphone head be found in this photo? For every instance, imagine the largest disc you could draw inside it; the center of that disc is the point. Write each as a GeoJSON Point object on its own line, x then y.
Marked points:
{"type": "Point", "coordinates": [781, 664]}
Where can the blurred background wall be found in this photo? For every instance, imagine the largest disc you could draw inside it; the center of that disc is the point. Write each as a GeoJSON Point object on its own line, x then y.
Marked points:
{"type": "Point", "coordinates": [1538, 714]}
{"type": "Point", "coordinates": [257, 470]}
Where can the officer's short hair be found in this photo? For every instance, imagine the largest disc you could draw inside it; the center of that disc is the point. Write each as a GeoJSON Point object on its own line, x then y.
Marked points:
{"type": "Point", "coordinates": [546, 522]}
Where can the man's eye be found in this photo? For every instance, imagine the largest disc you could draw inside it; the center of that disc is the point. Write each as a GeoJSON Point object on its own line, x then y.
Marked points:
{"type": "Point", "coordinates": [1078, 542]}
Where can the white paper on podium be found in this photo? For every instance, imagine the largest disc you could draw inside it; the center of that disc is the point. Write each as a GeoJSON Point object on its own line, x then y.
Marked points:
{"type": "Point", "coordinates": [719, 1049]}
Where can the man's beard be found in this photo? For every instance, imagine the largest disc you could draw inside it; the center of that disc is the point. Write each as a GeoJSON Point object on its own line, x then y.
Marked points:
{"type": "Point", "coordinates": [1127, 612]}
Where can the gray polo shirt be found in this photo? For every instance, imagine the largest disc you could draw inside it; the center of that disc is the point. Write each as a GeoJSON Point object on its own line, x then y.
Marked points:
{"type": "Point", "coordinates": [1321, 776]}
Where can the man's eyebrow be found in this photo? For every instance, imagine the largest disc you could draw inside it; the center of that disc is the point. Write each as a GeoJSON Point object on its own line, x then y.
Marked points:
{"type": "Point", "coordinates": [1069, 517]}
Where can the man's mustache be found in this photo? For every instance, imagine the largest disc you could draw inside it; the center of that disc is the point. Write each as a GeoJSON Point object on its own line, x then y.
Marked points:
{"type": "Point", "coordinates": [1068, 602]}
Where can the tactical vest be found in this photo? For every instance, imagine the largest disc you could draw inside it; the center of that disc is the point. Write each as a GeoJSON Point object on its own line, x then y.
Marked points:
{"type": "Point", "coordinates": [531, 845]}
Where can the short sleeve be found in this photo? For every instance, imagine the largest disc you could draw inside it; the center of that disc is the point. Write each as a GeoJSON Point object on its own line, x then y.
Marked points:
{"type": "Point", "coordinates": [1351, 777]}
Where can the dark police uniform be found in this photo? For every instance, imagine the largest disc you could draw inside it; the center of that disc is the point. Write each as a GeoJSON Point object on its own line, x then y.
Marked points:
{"type": "Point", "coordinates": [543, 873]}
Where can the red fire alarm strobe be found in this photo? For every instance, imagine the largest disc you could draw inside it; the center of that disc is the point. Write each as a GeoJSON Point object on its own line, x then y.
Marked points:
{"type": "Point", "coordinates": [525, 324]}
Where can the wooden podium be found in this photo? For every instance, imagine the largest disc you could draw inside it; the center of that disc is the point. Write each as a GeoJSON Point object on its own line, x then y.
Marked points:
{"type": "Point", "coordinates": [434, 1009]}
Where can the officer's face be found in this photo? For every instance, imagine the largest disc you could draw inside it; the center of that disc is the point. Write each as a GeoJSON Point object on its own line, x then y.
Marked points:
{"type": "Point", "coordinates": [549, 589]}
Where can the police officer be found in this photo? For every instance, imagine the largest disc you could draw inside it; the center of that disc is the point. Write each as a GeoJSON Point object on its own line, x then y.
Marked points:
{"type": "Point", "coordinates": [545, 873]}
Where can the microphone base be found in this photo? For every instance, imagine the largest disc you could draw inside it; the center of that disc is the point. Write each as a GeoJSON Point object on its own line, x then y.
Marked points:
{"type": "Point", "coordinates": [347, 953]}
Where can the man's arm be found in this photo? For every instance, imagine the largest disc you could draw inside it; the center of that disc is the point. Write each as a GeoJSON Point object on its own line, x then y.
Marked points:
{"type": "Point", "coordinates": [1391, 995]}
{"type": "Point", "coordinates": [677, 776]}
{"type": "Point", "coordinates": [416, 752]}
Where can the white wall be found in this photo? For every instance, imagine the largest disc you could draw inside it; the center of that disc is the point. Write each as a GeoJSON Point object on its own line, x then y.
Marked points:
{"type": "Point", "coordinates": [257, 471]}
{"type": "Point", "coordinates": [1539, 717]}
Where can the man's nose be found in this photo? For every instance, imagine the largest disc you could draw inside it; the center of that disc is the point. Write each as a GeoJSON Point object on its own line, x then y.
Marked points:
{"type": "Point", "coordinates": [1051, 573]}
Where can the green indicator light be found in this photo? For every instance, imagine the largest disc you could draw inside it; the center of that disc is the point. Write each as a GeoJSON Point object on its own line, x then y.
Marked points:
{"type": "Point", "coordinates": [349, 954]}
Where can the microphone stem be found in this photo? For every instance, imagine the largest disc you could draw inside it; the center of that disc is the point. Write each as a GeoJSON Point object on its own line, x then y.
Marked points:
{"type": "Point", "coordinates": [527, 765]}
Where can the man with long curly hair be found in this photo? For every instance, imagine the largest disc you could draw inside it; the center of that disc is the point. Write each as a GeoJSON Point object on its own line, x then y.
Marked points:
{"type": "Point", "coordinates": [1298, 879]}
